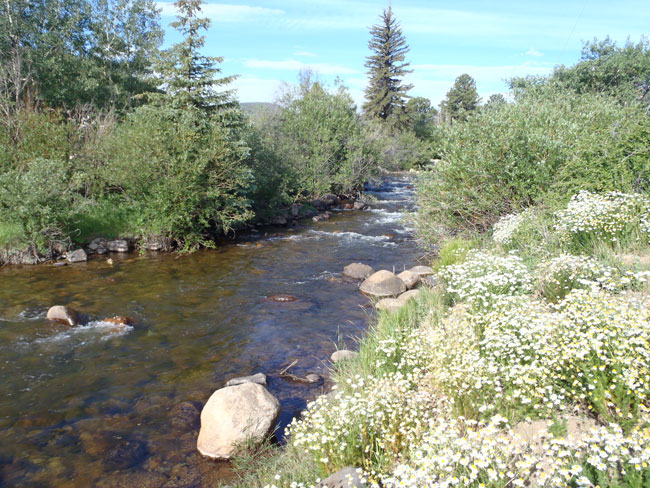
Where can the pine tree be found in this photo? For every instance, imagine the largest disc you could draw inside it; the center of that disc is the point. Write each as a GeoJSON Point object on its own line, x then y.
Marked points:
{"type": "Point", "coordinates": [386, 94]}
{"type": "Point", "coordinates": [189, 77]}
{"type": "Point", "coordinates": [461, 99]}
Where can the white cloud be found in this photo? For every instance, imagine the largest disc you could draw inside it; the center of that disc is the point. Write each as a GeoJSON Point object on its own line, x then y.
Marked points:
{"type": "Point", "coordinates": [252, 89]}
{"type": "Point", "coordinates": [534, 52]}
{"type": "Point", "coordinates": [295, 65]}
{"type": "Point", "coordinates": [223, 12]}
{"type": "Point", "coordinates": [306, 54]}
{"type": "Point", "coordinates": [485, 73]}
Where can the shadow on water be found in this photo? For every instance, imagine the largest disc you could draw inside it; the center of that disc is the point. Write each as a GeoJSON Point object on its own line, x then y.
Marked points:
{"type": "Point", "coordinates": [92, 406]}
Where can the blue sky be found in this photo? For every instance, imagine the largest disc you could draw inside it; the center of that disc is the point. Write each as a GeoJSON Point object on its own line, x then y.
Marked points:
{"type": "Point", "coordinates": [266, 43]}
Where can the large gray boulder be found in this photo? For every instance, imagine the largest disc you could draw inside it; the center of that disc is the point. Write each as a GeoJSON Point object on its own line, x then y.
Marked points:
{"type": "Point", "coordinates": [382, 284]}
{"type": "Point", "coordinates": [344, 478]}
{"type": "Point", "coordinates": [235, 415]}
{"type": "Point", "coordinates": [357, 271]}
{"type": "Point", "coordinates": [64, 315]}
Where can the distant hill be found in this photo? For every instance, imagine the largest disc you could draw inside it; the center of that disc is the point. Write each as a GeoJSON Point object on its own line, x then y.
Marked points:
{"type": "Point", "coordinates": [255, 108]}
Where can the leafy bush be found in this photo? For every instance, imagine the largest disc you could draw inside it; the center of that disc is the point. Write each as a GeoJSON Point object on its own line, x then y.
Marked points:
{"type": "Point", "coordinates": [545, 147]}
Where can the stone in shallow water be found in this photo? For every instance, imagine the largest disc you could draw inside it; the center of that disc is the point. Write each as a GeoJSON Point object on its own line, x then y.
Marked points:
{"type": "Point", "coordinates": [343, 355]}
{"type": "Point", "coordinates": [234, 415]}
{"type": "Point", "coordinates": [118, 245]}
{"type": "Point", "coordinates": [185, 416]}
{"type": "Point", "coordinates": [64, 315]}
{"type": "Point", "coordinates": [382, 284]}
{"type": "Point", "coordinates": [77, 256]}
{"type": "Point", "coordinates": [357, 271]}
{"type": "Point", "coordinates": [126, 454]}
{"type": "Point", "coordinates": [259, 378]}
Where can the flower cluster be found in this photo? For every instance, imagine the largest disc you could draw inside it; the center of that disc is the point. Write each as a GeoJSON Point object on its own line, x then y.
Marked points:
{"type": "Point", "coordinates": [484, 278]}
{"type": "Point", "coordinates": [605, 216]}
{"type": "Point", "coordinates": [561, 274]}
{"type": "Point", "coordinates": [524, 356]}
{"type": "Point", "coordinates": [507, 226]}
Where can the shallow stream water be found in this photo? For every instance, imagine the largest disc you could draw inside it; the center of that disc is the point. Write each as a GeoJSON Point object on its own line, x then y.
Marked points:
{"type": "Point", "coordinates": [92, 406]}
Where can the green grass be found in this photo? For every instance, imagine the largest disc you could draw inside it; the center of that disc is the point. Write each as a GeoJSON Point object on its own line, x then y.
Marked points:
{"type": "Point", "coordinates": [108, 218]}
{"type": "Point", "coordinates": [12, 235]}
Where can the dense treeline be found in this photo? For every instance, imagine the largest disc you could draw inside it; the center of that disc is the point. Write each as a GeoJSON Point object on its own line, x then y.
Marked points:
{"type": "Point", "coordinates": [103, 134]}
{"type": "Point", "coordinates": [585, 127]}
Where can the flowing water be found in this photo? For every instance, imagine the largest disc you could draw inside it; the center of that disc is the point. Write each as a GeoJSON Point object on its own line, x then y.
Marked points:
{"type": "Point", "coordinates": [95, 406]}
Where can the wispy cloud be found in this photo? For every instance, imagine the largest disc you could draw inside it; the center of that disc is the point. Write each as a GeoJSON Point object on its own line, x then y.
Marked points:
{"type": "Point", "coordinates": [487, 73]}
{"type": "Point", "coordinates": [534, 52]}
{"type": "Point", "coordinates": [306, 54]}
{"type": "Point", "coordinates": [224, 12]}
{"type": "Point", "coordinates": [295, 65]}
{"type": "Point", "coordinates": [252, 89]}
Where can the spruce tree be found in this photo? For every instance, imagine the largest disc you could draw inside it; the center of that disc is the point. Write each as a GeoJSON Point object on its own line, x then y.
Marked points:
{"type": "Point", "coordinates": [462, 99]}
{"type": "Point", "coordinates": [190, 78]}
{"type": "Point", "coordinates": [386, 93]}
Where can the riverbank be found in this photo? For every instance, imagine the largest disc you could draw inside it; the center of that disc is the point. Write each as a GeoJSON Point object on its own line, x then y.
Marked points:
{"type": "Point", "coordinates": [527, 367]}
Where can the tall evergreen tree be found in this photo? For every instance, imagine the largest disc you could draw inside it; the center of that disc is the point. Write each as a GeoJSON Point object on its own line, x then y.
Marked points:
{"type": "Point", "coordinates": [386, 93]}
{"type": "Point", "coordinates": [190, 78]}
{"type": "Point", "coordinates": [461, 99]}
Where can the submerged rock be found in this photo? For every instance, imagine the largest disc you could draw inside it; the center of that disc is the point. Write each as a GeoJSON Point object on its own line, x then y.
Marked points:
{"type": "Point", "coordinates": [381, 284]}
{"type": "Point", "coordinates": [258, 378]}
{"type": "Point", "coordinates": [185, 416]}
{"type": "Point", "coordinates": [344, 478]}
{"type": "Point", "coordinates": [126, 454]}
{"type": "Point", "coordinates": [120, 320]}
{"type": "Point", "coordinates": [409, 278]}
{"type": "Point", "coordinates": [77, 256]}
{"type": "Point", "coordinates": [64, 315]}
{"type": "Point", "coordinates": [357, 271]}
{"type": "Point", "coordinates": [343, 355]}
{"type": "Point", "coordinates": [234, 415]}
{"type": "Point", "coordinates": [323, 216]}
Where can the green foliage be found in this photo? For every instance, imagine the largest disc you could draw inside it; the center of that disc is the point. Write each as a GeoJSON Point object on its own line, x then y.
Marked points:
{"type": "Point", "coordinates": [462, 99]}
{"type": "Point", "coordinates": [386, 94]}
{"type": "Point", "coordinates": [422, 117]}
{"type": "Point", "coordinates": [545, 147]}
{"type": "Point", "coordinates": [39, 199]}
{"type": "Point", "coordinates": [454, 251]}
{"type": "Point", "coordinates": [184, 172]}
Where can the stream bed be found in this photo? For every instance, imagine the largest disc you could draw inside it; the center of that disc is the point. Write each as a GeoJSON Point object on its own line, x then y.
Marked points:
{"type": "Point", "coordinates": [95, 406]}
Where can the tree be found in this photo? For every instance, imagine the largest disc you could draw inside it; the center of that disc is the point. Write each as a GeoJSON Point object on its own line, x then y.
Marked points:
{"type": "Point", "coordinates": [495, 100]}
{"type": "Point", "coordinates": [422, 116]}
{"type": "Point", "coordinates": [461, 99]}
{"type": "Point", "coordinates": [189, 78]}
{"type": "Point", "coordinates": [386, 93]}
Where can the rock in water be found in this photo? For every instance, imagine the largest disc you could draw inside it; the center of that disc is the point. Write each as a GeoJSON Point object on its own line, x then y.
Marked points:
{"type": "Point", "coordinates": [64, 315]}
{"type": "Point", "coordinates": [343, 355]}
{"type": "Point", "coordinates": [118, 245]}
{"type": "Point", "coordinates": [120, 320]}
{"type": "Point", "coordinates": [234, 415]}
{"type": "Point", "coordinates": [259, 378]}
{"type": "Point", "coordinates": [184, 416]}
{"type": "Point", "coordinates": [422, 270]}
{"type": "Point", "coordinates": [382, 284]}
{"type": "Point", "coordinates": [344, 478]}
{"type": "Point", "coordinates": [357, 271]}
{"type": "Point", "coordinates": [410, 279]}
{"type": "Point", "coordinates": [77, 256]}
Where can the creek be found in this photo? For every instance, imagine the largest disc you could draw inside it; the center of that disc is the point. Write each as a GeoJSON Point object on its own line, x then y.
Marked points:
{"type": "Point", "coordinates": [93, 406]}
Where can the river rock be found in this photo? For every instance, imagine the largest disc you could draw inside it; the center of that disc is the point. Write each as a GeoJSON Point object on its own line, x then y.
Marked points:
{"type": "Point", "coordinates": [344, 478]}
{"type": "Point", "coordinates": [77, 256]}
{"type": "Point", "coordinates": [422, 270]}
{"type": "Point", "coordinates": [343, 355]}
{"type": "Point", "coordinates": [431, 281]}
{"type": "Point", "coordinates": [321, 217]}
{"type": "Point", "coordinates": [118, 245]}
{"type": "Point", "coordinates": [185, 416]}
{"type": "Point", "coordinates": [390, 304]}
{"type": "Point", "coordinates": [126, 454]}
{"type": "Point", "coordinates": [381, 284]}
{"type": "Point", "coordinates": [409, 295]}
{"type": "Point", "coordinates": [258, 378]}
{"type": "Point", "coordinates": [357, 271]}
{"type": "Point", "coordinates": [410, 279]}
{"type": "Point", "coordinates": [97, 246]}
{"type": "Point", "coordinates": [157, 243]}
{"type": "Point", "coordinates": [358, 205]}
{"type": "Point", "coordinates": [234, 415]}
{"type": "Point", "coordinates": [120, 320]}
{"type": "Point", "coordinates": [313, 378]}
{"type": "Point", "coordinates": [282, 298]}
{"type": "Point", "coordinates": [64, 315]}
{"type": "Point", "coordinates": [280, 219]}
